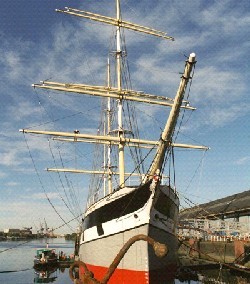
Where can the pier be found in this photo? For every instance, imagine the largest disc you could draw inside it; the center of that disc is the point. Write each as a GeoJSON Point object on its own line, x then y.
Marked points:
{"type": "Point", "coordinates": [223, 218]}
{"type": "Point", "coordinates": [217, 232]}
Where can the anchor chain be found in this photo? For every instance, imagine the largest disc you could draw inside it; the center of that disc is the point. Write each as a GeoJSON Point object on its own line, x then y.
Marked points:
{"type": "Point", "coordinates": [88, 277]}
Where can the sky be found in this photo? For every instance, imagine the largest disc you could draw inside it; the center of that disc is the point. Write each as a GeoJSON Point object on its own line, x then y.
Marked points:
{"type": "Point", "coordinates": [38, 44]}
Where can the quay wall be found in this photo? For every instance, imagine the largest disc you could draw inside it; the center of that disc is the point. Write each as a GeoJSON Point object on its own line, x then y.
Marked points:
{"type": "Point", "coordinates": [217, 251]}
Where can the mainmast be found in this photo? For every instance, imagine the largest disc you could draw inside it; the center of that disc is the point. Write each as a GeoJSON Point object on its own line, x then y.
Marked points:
{"type": "Point", "coordinates": [108, 133]}
{"type": "Point", "coordinates": [119, 87]}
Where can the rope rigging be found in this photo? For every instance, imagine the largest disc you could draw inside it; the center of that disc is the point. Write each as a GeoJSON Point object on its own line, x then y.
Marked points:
{"type": "Point", "coordinates": [72, 203]}
{"type": "Point", "coordinates": [42, 186]}
{"type": "Point", "coordinates": [129, 122]}
{"type": "Point", "coordinates": [71, 191]}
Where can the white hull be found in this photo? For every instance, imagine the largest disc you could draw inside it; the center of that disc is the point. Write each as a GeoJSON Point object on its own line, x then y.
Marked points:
{"type": "Point", "coordinates": [101, 252]}
{"type": "Point", "coordinates": [99, 246]}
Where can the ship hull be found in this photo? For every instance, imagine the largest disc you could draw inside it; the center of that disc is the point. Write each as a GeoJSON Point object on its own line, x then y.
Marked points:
{"type": "Point", "coordinates": [139, 265]}
{"type": "Point", "coordinates": [99, 247]}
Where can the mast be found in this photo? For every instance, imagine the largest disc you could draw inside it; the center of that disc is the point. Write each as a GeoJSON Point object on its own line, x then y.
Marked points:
{"type": "Point", "coordinates": [108, 133]}
{"type": "Point", "coordinates": [167, 133]}
{"type": "Point", "coordinates": [119, 87]}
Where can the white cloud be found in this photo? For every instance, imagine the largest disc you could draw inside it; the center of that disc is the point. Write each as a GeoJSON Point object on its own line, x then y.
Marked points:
{"type": "Point", "coordinates": [11, 184]}
{"type": "Point", "coordinates": [50, 195]}
{"type": "Point", "coordinates": [219, 117]}
{"type": "Point", "coordinates": [215, 85]}
{"type": "Point", "coordinates": [8, 158]}
{"type": "Point", "coordinates": [243, 161]}
{"type": "Point", "coordinates": [225, 17]}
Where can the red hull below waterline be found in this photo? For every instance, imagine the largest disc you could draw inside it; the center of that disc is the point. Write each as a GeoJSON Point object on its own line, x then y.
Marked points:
{"type": "Point", "coordinates": [123, 276]}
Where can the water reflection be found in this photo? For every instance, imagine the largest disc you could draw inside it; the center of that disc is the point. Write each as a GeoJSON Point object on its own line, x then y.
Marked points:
{"type": "Point", "coordinates": [45, 275]}
{"type": "Point", "coordinates": [183, 275]}
{"type": "Point", "coordinates": [16, 262]}
{"type": "Point", "coordinates": [216, 276]}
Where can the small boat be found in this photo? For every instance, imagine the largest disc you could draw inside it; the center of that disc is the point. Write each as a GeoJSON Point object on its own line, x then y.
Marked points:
{"type": "Point", "coordinates": [45, 257]}
{"type": "Point", "coordinates": [64, 260]}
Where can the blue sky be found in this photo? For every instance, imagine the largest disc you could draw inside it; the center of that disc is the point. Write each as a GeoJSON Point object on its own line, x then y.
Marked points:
{"type": "Point", "coordinates": [38, 44]}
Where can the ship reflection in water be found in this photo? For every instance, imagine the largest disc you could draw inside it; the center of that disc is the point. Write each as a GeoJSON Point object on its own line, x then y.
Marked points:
{"type": "Point", "coordinates": [45, 275]}
{"type": "Point", "coordinates": [204, 274]}
{"type": "Point", "coordinates": [221, 276]}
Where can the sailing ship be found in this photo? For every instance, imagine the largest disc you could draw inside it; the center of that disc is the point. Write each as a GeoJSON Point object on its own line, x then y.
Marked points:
{"type": "Point", "coordinates": [149, 208]}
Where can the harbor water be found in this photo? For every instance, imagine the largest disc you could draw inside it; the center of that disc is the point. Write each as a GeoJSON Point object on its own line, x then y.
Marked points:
{"type": "Point", "coordinates": [16, 266]}
{"type": "Point", "coordinates": [16, 261]}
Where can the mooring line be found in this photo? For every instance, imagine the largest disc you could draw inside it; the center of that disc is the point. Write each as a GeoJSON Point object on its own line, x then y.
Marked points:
{"type": "Point", "coordinates": [10, 271]}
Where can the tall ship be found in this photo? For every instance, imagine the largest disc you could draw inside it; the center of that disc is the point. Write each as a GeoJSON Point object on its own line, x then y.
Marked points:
{"type": "Point", "coordinates": [119, 211]}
